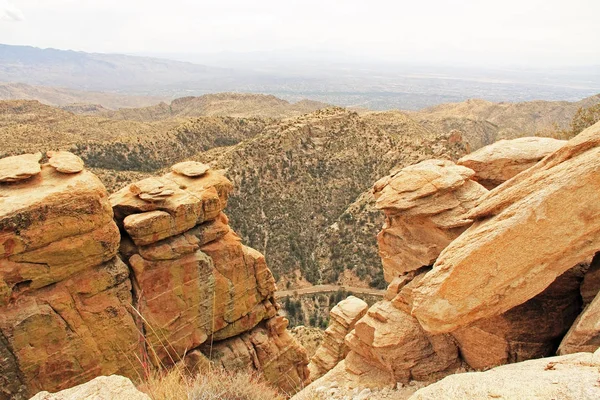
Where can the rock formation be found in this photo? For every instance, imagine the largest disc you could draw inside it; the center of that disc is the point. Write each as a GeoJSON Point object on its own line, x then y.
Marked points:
{"type": "Point", "coordinates": [67, 313]}
{"type": "Point", "coordinates": [268, 348]}
{"type": "Point", "coordinates": [425, 207]}
{"type": "Point", "coordinates": [572, 377]}
{"type": "Point", "coordinates": [64, 295]}
{"type": "Point", "coordinates": [101, 388]}
{"type": "Point", "coordinates": [500, 161]}
{"type": "Point", "coordinates": [527, 232]}
{"type": "Point", "coordinates": [17, 168]}
{"type": "Point", "coordinates": [505, 290]}
{"type": "Point", "coordinates": [333, 349]}
{"type": "Point", "coordinates": [195, 282]}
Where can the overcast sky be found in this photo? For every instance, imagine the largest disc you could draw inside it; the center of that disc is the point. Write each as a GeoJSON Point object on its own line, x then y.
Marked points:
{"type": "Point", "coordinates": [521, 32]}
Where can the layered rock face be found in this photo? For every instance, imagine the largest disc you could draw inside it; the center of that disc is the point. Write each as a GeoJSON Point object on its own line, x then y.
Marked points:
{"type": "Point", "coordinates": [71, 309]}
{"type": "Point", "coordinates": [342, 319]}
{"type": "Point", "coordinates": [194, 281]}
{"type": "Point", "coordinates": [498, 162]}
{"type": "Point", "coordinates": [425, 207]}
{"type": "Point", "coordinates": [64, 295]}
{"type": "Point", "coordinates": [268, 348]}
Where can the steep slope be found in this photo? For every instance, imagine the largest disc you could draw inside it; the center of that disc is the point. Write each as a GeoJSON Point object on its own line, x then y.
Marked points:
{"type": "Point", "coordinates": [57, 96]}
{"type": "Point", "coordinates": [219, 104]}
{"type": "Point", "coordinates": [297, 177]}
{"type": "Point", "coordinates": [483, 122]}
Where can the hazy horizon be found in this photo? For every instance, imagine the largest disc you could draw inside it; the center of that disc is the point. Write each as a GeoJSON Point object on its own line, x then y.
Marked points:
{"type": "Point", "coordinates": [525, 33]}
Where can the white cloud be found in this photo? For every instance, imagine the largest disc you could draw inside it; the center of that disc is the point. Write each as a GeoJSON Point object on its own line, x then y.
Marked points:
{"type": "Point", "coordinates": [9, 12]}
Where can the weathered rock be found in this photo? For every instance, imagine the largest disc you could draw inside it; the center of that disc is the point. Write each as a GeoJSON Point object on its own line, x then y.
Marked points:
{"type": "Point", "coordinates": [193, 201]}
{"type": "Point", "coordinates": [112, 387]}
{"type": "Point", "coordinates": [584, 335]}
{"type": "Point", "coordinates": [52, 227]}
{"type": "Point", "coordinates": [425, 206]}
{"type": "Point", "coordinates": [530, 330]}
{"type": "Point", "coordinates": [65, 162]}
{"type": "Point", "coordinates": [72, 331]}
{"type": "Point", "coordinates": [190, 168]}
{"type": "Point", "coordinates": [571, 377]}
{"type": "Point", "coordinates": [392, 342]}
{"type": "Point", "coordinates": [268, 348]}
{"type": "Point", "coordinates": [50, 207]}
{"type": "Point", "coordinates": [503, 260]}
{"type": "Point", "coordinates": [591, 281]}
{"type": "Point", "coordinates": [333, 349]}
{"type": "Point", "coordinates": [498, 162]}
{"type": "Point", "coordinates": [189, 293]}
{"type": "Point", "coordinates": [18, 168]}
{"type": "Point", "coordinates": [153, 189]}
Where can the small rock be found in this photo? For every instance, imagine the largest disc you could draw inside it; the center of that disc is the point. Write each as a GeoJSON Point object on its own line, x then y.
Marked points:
{"type": "Point", "coordinates": [152, 190]}
{"type": "Point", "coordinates": [363, 395]}
{"type": "Point", "coordinates": [320, 389]}
{"type": "Point", "coordinates": [190, 168]}
{"type": "Point", "coordinates": [399, 385]}
{"type": "Point", "coordinates": [65, 162]}
{"type": "Point", "coordinates": [18, 168]}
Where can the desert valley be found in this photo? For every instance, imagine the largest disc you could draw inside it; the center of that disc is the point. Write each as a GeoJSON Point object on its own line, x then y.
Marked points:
{"type": "Point", "coordinates": [302, 224]}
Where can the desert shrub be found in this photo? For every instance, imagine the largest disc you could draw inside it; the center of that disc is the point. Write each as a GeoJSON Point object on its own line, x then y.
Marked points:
{"type": "Point", "coordinates": [214, 384]}
{"type": "Point", "coordinates": [584, 118]}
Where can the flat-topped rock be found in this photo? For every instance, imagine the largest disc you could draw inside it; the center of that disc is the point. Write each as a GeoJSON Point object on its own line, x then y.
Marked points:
{"type": "Point", "coordinates": [409, 188]}
{"type": "Point", "coordinates": [65, 162]}
{"type": "Point", "coordinates": [527, 232]}
{"type": "Point", "coordinates": [153, 189]}
{"type": "Point", "coordinates": [18, 168]}
{"type": "Point", "coordinates": [498, 162]}
{"type": "Point", "coordinates": [191, 169]}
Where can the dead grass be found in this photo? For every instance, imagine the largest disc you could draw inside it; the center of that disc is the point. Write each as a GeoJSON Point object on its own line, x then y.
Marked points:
{"type": "Point", "coordinates": [215, 384]}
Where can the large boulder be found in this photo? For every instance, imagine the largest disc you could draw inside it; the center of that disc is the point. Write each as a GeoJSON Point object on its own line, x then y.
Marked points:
{"type": "Point", "coordinates": [500, 161]}
{"type": "Point", "coordinates": [333, 349]}
{"type": "Point", "coordinates": [571, 377]}
{"type": "Point", "coordinates": [19, 168]}
{"type": "Point", "coordinates": [425, 207]}
{"type": "Point", "coordinates": [112, 387]}
{"type": "Point", "coordinates": [527, 232]}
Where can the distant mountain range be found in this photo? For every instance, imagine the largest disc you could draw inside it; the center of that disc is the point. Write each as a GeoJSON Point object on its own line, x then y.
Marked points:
{"type": "Point", "coordinates": [351, 84]}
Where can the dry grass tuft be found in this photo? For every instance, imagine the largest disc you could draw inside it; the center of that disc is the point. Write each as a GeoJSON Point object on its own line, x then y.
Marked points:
{"type": "Point", "coordinates": [215, 384]}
